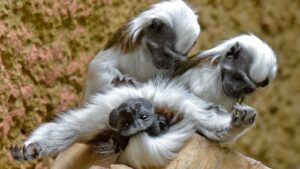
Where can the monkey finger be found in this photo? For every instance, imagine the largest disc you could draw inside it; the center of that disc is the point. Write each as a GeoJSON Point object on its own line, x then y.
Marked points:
{"type": "Point", "coordinates": [174, 55]}
{"type": "Point", "coordinates": [16, 153]}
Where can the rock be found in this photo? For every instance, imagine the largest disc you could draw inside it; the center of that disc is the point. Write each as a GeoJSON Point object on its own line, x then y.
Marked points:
{"type": "Point", "coordinates": [202, 153]}
{"type": "Point", "coordinates": [114, 166]}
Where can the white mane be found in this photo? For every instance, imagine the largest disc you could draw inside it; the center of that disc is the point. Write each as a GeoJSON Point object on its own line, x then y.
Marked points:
{"type": "Point", "coordinates": [176, 14]}
{"type": "Point", "coordinates": [264, 60]}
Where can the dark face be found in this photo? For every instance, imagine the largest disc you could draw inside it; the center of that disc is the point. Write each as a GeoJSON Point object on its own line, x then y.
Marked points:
{"type": "Point", "coordinates": [160, 40]}
{"type": "Point", "coordinates": [236, 82]}
{"type": "Point", "coordinates": [132, 116]}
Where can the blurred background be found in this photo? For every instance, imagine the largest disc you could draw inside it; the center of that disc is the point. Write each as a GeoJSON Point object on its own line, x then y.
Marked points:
{"type": "Point", "coordinates": [46, 45]}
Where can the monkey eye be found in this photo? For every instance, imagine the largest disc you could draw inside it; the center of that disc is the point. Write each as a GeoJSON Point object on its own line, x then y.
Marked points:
{"type": "Point", "coordinates": [237, 77]}
{"type": "Point", "coordinates": [144, 117]}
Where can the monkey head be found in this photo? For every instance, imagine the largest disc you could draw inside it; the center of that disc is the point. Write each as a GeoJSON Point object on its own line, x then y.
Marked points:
{"type": "Point", "coordinates": [246, 63]}
{"type": "Point", "coordinates": [168, 30]}
{"type": "Point", "coordinates": [132, 116]}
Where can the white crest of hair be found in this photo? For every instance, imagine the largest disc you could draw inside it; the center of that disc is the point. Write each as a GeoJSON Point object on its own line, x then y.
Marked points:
{"type": "Point", "coordinates": [264, 64]}
{"type": "Point", "coordinates": [176, 14]}
{"type": "Point", "coordinates": [201, 86]}
{"type": "Point", "coordinates": [144, 150]}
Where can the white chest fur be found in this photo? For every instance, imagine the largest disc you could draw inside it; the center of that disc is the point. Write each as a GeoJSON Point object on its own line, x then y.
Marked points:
{"type": "Point", "coordinates": [138, 64]}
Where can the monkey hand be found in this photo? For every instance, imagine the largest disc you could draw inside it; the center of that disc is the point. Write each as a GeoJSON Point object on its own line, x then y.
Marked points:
{"type": "Point", "coordinates": [173, 55]}
{"type": "Point", "coordinates": [243, 116]}
{"type": "Point", "coordinates": [28, 152]}
{"type": "Point", "coordinates": [163, 56]}
{"type": "Point", "coordinates": [124, 80]}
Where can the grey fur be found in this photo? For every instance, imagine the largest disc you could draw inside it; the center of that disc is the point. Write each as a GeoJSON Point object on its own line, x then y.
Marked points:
{"type": "Point", "coordinates": [235, 67]}
{"type": "Point", "coordinates": [160, 40]}
{"type": "Point", "coordinates": [139, 116]}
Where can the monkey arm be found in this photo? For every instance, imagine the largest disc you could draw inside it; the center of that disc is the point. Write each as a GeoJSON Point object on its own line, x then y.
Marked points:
{"type": "Point", "coordinates": [101, 72]}
{"type": "Point", "coordinates": [76, 125]}
{"type": "Point", "coordinates": [71, 126]}
{"type": "Point", "coordinates": [219, 125]}
{"type": "Point", "coordinates": [214, 122]}
{"type": "Point", "coordinates": [243, 118]}
{"type": "Point", "coordinates": [163, 56]}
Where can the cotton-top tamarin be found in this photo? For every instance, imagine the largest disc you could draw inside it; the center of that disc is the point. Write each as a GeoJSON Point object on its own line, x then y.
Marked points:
{"type": "Point", "coordinates": [233, 69]}
{"type": "Point", "coordinates": [150, 44]}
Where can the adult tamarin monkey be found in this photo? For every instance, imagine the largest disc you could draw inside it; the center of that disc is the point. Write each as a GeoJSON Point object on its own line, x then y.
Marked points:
{"type": "Point", "coordinates": [245, 56]}
{"type": "Point", "coordinates": [152, 43]}
{"type": "Point", "coordinates": [236, 68]}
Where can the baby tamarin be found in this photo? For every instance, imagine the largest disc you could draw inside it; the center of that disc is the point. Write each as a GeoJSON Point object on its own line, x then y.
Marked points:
{"type": "Point", "coordinates": [132, 117]}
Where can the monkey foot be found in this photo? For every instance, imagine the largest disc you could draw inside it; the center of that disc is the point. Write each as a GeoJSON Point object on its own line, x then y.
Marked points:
{"type": "Point", "coordinates": [124, 80]}
{"type": "Point", "coordinates": [26, 153]}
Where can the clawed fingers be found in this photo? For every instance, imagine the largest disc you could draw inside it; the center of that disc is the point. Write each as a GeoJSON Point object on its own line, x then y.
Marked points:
{"type": "Point", "coordinates": [28, 152]}
{"type": "Point", "coordinates": [243, 116]}
{"type": "Point", "coordinates": [17, 152]}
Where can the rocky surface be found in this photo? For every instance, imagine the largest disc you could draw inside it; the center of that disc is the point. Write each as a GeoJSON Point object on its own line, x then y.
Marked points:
{"type": "Point", "coordinates": [200, 153]}
{"type": "Point", "coordinates": [45, 47]}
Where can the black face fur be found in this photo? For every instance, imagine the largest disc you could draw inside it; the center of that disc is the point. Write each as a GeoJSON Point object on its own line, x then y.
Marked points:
{"type": "Point", "coordinates": [235, 78]}
{"type": "Point", "coordinates": [160, 40]}
{"type": "Point", "coordinates": [133, 116]}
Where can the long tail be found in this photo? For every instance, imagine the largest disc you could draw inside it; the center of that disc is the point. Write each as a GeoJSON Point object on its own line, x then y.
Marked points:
{"type": "Point", "coordinates": [144, 150]}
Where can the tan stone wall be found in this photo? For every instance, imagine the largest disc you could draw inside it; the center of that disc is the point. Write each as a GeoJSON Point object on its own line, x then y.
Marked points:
{"type": "Point", "coordinates": [45, 46]}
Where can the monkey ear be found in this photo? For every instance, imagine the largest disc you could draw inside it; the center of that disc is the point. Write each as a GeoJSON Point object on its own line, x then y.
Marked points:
{"type": "Point", "coordinates": [113, 118]}
{"type": "Point", "coordinates": [234, 50]}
